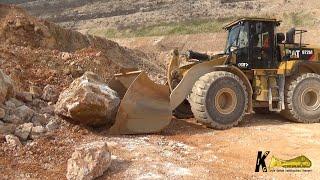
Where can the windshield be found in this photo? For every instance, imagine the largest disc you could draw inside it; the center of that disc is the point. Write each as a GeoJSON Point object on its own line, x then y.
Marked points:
{"type": "Point", "coordinates": [232, 37]}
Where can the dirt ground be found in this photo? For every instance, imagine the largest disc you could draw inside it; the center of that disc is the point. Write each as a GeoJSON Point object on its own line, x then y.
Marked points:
{"type": "Point", "coordinates": [184, 150]}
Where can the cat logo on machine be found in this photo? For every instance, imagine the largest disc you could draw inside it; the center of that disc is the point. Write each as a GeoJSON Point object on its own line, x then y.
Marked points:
{"type": "Point", "coordinates": [304, 54]}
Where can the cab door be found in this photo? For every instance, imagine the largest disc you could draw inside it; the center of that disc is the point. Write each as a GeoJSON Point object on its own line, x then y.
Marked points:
{"type": "Point", "coordinates": [242, 54]}
{"type": "Point", "coordinates": [262, 46]}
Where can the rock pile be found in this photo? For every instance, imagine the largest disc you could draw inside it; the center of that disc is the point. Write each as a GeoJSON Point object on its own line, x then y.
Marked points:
{"type": "Point", "coordinates": [6, 87]}
{"type": "Point", "coordinates": [39, 60]}
{"type": "Point", "coordinates": [23, 115]}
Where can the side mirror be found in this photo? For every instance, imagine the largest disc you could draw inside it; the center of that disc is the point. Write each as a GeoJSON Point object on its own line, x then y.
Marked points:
{"type": "Point", "coordinates": [290, 36]}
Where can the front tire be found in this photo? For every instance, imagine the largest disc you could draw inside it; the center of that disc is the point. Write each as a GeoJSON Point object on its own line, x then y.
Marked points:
{"type": "Point", "coordinates": [302, 99]}
{"type": "Point", "coordinates": [219, 100]}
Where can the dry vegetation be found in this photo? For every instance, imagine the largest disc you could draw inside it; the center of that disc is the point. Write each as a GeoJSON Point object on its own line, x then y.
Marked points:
{"type": "Point", "coordinates": [132, 18]}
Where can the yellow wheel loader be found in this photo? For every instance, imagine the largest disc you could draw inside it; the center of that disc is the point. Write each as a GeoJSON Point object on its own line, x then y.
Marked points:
{"type": "Point", "coordinates": [260, 70]}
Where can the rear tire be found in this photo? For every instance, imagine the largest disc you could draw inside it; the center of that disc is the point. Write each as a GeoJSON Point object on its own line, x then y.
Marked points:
{"type": "Point", "coordinates": [302, 99]}
{"type": "Point", "coordinates": [219, 100]}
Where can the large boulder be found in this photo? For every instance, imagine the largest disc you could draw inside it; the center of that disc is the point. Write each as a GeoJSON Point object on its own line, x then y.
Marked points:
{"type": "Point", "coordinates": [50, 93]}
{"type": "Point", "coordinates": [89, 161]}
{"type": "Point", "coordinates": [24, 112]}
{"type": "Point", "coordinates": [53, 124]}
{"type": "Point", "coordinates": [2, 113]}
{"type": "Point", "coordinates": [35, 91]}
{"type": "Point", "coordinates": [39, 119]}
{"type": "Point", "coordinates": [37, 132]}
{"type": "Point", "coordinates": [23, 131]}
{"type": "Point", "coordinates": [13, 103]}
{"type": "Point", "coordinates": [47, 110]}
{"type": "Point", "coordinates": [14, 119]}
{"type": "Point", "coordinates": [24, 96]}
{"type": "Point", "coordinates": [13, 140]}
{"type": "Point", "coordinates": [7, 128]}
{"type": "Point", "coordinates": [88, 101]}
{"type": "Point", "coordinates": [7, 88]}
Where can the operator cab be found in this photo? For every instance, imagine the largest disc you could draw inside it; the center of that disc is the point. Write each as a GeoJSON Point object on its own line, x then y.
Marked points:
{"type": "Point", "coordinates": [253, 40]}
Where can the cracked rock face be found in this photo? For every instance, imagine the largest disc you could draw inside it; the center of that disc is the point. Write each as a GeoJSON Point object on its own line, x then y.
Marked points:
{"type": "Point", "coordinates": [37, 131]}
{"type": "Point", "coordinates": [23, 131]}
{"type": "Point", "coordinates": [89, 161]}
{"type": "Point", "coordinates": [24, 113]}
{"type": "Point", "coordinates": [13, 140]}
{"type": "Point", "coordinates": [7, 88]}
{"type": "Point", "coordinates": [50, 93]}
{"type": "Point", "coordinates": [88, 101]}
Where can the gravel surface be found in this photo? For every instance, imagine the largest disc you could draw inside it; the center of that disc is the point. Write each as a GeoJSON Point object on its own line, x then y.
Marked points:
{"type": "Point", "coordinates": [184, 150]}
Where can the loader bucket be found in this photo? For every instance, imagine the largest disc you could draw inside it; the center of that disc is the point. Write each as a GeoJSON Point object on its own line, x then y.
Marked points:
{"type": "Point", "coordinates": [145, 106]}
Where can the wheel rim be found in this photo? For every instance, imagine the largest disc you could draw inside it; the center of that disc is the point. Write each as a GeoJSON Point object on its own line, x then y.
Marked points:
{"type": "Point", "coordinates": [225, 101]}
{"type": "Point", "coordinates": [310, 99]}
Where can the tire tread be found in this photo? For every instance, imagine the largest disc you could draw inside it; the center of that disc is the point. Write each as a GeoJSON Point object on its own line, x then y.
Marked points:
{"type": "Point", "coordinates": [198, 96]}
{"type": "Point", "coordinates": [289, 111]}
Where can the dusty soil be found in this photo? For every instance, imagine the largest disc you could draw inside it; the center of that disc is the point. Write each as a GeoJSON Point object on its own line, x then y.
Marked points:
{"type": "Point", "coordinates": [184, 150]}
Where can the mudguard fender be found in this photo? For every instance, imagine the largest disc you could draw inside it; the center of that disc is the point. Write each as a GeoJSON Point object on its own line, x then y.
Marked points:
{"type": "Point", "coordinates": [183, 89]}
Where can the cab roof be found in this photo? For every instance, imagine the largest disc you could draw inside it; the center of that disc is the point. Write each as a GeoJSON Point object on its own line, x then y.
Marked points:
{"type": "Point", "coordinates": [228, 26]}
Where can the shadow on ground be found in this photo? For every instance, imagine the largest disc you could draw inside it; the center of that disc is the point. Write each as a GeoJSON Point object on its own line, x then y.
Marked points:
{"type": "Point", "coordinates": [191, 127]}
